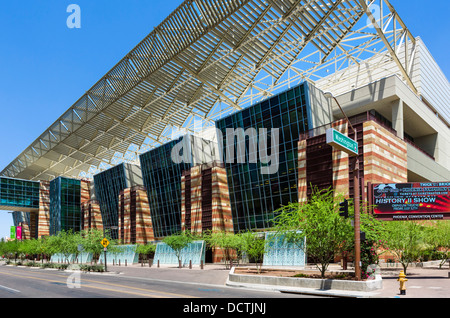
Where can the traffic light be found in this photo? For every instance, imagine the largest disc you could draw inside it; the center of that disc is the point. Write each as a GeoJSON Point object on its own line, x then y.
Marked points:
{"type": "Point", "coordinates": [343, 209]}
{"type": "Point", "coordinates": [362, 236]}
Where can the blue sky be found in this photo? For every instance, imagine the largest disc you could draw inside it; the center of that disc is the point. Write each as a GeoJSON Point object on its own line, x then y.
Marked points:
{"type": "Point", "coordinates": [46, 66]}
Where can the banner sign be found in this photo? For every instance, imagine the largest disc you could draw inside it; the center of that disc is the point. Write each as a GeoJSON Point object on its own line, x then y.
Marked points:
{"type": "Point", "coordinates": [19, 232]}
{"type": "Point", "coordinates": [12, 233]}
{"type": "Point", "coordinates": [417, 198]}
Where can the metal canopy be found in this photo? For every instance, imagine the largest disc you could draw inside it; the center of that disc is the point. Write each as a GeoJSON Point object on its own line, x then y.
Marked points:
{"type": "Point", "coordinates": [205, 60]}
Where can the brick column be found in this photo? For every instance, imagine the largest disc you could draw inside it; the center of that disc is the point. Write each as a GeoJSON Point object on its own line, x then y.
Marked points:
{"type": "Point", "coordinates": [302, 181]}
{"type": "Point", "coordinates": [196, 200]}
{"type": "Point", "coordinates": [385, 155]}
{"type": "Point", "coordinates": [44, 209]}
{"type": "Point", "coordinates": [340, 163]}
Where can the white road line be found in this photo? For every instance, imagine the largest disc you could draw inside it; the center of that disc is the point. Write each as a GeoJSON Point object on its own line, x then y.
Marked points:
{"type": "Point", "coordinates": [9, 289]}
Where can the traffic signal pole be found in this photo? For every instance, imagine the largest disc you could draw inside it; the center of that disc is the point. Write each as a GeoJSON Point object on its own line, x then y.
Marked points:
{"type": "Point", "coordinates": [356, 193]}
{"type": "Point", "coordinates": [357, 217]}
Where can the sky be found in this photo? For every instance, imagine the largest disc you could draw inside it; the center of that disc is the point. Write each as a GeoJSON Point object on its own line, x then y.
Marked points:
{"type": "Point", "coordinates": [47, 66]}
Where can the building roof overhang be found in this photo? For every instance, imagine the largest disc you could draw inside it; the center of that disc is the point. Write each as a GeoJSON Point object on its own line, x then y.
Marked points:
{"type": "Point", "coordinates": [205, 60]}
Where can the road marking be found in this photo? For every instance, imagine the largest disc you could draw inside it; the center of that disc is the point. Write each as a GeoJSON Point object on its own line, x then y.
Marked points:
{"type": "Point", "coordinates": [153, 292]}
{"type": "Point", "coordinates": [9, 289]}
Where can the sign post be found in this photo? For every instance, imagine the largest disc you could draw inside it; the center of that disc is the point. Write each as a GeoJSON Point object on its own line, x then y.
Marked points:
{"type": "Point", "coordinates": [344, 143]}
{"type": "Point", "coordinates": [340, 141]}
{"type": "Point", "coordinates": [105, 243]}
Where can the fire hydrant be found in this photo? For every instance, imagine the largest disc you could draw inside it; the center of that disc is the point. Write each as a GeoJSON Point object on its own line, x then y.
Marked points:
{"type": "Point", "coordinates": [402, 279]}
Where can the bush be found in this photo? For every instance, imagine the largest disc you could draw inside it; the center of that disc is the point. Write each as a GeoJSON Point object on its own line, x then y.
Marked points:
{"type": "Point", "coordinates": [92, 268]}
{"type": "Point", "coordinates": [54, 265]}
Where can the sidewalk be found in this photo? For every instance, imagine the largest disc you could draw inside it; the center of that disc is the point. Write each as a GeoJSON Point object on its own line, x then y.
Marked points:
{"type": "Point", "coordinates": [430, 282]}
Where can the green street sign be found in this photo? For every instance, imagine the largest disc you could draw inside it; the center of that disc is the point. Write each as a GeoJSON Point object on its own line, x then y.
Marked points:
{"type": "Point", "coordinates": [342, 142]}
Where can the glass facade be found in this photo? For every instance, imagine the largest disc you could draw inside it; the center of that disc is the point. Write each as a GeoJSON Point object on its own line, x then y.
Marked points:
{"type": "Point", "coordinates": [255, 196]}
{"type": "Point", "coordinates": [108, 185]}
{"type": "Point", "coordinates": [65, 205]}
{"type": "Point", "coordinates": [162, 178]}
{"type": "Point", "coordinates": [16, 193]}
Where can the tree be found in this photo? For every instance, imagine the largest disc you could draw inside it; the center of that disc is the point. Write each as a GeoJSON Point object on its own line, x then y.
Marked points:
{"type": "Point", "coordinates": [90, 239]}
{"type": "Point", "coordinates": [146, 249]}
{"type": "Point", "coordinates": [177, 242]}
{"type": "Point", "coordinates": [320, 223]}
{"type": "Point", "coordinates": [405, 240]}
{"type": "Point", "coordinates": [67, 243]}
{"type": "Point", "coordinates": [228, 242]}
{"type": "Point", "coordinates": [254, 245]}
{"type": "Point", "coordinates": [50, 246]}
{"type": "Point", "coordinates": [439, 239]}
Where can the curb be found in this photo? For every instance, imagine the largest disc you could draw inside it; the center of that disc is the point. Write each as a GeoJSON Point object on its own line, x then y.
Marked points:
{"type": "Point", "coordinates": [274, 284]}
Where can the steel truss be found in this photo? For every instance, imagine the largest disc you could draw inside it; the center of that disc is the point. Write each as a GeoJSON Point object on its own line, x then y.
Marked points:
{"type": "Point", "coordinates": [208, 59]}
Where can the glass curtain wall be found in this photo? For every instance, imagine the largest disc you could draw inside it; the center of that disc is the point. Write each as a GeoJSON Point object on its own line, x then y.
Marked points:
{"type": "Point", "coordinates": [19, 193]}
{"type": "Point", "coordinates": [162, 178]}
{"type": "Point", "coordinates": [255, 196]}
{"type": "Point", "coordinates": [65, 205]}
{"type": "Point", "coordinates": [108, 185]}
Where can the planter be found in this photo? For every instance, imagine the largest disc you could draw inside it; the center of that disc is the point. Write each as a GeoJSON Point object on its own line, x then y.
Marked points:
{"type": "Point", "coordinates": [309, 283]}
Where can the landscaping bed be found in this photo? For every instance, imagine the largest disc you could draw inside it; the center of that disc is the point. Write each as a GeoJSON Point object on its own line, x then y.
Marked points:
{"type": "Point", "coordinates": [304, 279]}
{"type": "Point", "coordinates": [295, 273]}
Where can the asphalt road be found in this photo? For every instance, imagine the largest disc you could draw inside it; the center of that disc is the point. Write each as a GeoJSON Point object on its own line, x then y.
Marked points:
{"type": "Point", "coordinates": [23, 282]}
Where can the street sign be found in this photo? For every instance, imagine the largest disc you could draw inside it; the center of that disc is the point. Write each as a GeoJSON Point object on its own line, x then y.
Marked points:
{"type": "Point", "coordinates": [105, 242]}
{"type": "Point", "coordinates": [342, 142]}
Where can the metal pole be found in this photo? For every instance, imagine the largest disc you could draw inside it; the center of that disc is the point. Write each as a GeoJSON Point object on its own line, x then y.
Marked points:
{"type": "Point", "coordinates": [106, 269]}
{"type": "Point", "coordinates": [356, 194]}
{"type": "Point", "coordinates": [357, 217]}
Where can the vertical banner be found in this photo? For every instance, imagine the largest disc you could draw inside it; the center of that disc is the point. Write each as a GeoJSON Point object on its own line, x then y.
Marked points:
{"type": "Point", "coordinates": [19, 232]}
{"type": "Point", "coordinates": [12, 232]}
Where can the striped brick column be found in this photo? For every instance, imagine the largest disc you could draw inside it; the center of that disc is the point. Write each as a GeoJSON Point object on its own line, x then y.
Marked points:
{"type": "Point", "coordinates": [124, 216]}
{"type": "Point", "coordinates": [385, 155]}
{"type": "Point", "coordinates": [340, 163]}
{"type": "Point", "coordinates": [44, 209]}
{"type": "Point", "coordinates": [206, 205]}
{"type": "Point", "coordinates": [144, 225]}
{"type": "Point", "coordinates": [92, 217]}
{"type": "Point", "coordinates": [196, 200]}
{"type": "Point", "coordinates": [222, 219]}
{"type": "Point", "coordinates": [135, 222]}
{"type": "Point", "coordinates": [302, 181]}
{"type": "Point", "coordinates": [85, 191]}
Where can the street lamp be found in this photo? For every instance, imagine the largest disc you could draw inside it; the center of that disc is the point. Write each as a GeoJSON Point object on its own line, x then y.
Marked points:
{"type": "Point", "coordinates": [356, 196]}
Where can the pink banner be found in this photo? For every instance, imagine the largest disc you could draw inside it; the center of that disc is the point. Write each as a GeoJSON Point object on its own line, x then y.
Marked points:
{"type": "Point", "coordinates": [19, 232]}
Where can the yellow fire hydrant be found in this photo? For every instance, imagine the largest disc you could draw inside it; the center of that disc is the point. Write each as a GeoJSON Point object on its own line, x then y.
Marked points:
{"type": "Point", "coordinates": [402, 279]}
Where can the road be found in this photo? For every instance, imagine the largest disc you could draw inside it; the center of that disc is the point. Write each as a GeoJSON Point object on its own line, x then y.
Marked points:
{"type": "Point", "coordinates": [23, 282]}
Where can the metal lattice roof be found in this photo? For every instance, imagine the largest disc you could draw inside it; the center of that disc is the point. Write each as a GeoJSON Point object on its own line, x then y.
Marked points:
{"type": "Point", "coordinates": [206, 59]}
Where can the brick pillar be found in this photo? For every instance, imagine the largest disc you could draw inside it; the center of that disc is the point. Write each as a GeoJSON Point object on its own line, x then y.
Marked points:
{"type": "Point", "coordinates": [92, 217]}
{"type": "Point", "coordinates": [222, 219]}
{"type": "Point", "coordinates": [385, 155]}
{"type": "Point", "coordinates": [85, 191]}
{"type": "Point", "coordinates": [135, 222]}
{"type": "Point", "coordinates": [44, 209]}
{"type": "Point", "coordinates": [302, 180]}
{"type": "Point", "coordinates": [196, 200]}
{"type": "Point", "coordinates": [144, 226]}
{"type": "Point", "coordinates": [340, 163]}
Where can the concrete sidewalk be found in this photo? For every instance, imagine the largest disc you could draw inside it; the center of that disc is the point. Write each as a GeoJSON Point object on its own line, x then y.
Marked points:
{"type": "Point", "coordinates": [430, 282]}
